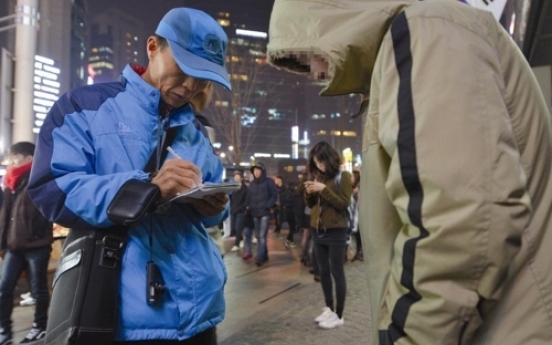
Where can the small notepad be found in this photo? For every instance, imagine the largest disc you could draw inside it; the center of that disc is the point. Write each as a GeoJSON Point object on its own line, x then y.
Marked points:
{"type": "Point", "coordinates": [206, 189]}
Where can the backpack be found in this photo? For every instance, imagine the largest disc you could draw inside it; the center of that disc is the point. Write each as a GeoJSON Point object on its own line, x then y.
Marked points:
{"type": "Point", "coordinates": [337, 183]}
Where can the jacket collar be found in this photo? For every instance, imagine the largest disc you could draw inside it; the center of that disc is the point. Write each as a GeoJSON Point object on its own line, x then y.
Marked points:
{"type": "Point", "coordinates": [149, 97]}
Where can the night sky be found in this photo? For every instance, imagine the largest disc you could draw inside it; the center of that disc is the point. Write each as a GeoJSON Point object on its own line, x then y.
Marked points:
{"type": "Point", "coordinates": [148, 11]}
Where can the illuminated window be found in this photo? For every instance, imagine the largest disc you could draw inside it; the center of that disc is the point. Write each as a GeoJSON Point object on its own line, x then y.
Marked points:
{"type": "Point", "coordinates": [102, 64]}
{"type": "Point", "coordinates": [321, 132]}
{"type": "Point", "coordinates": [242, 77]}
{"type": "Point", "coordinates": [221, 103]}
{"type": "Point", "coordinates": [349, 133]}
{"type": "Point", "coordinates": [336, 133]}
{"type": "Point", "coordinates": [224, 22]}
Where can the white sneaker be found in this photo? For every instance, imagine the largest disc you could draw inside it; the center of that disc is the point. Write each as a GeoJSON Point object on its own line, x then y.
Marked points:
{"type": "Point", "coordinates": [242, 244]}
{"type": "Point", "coordinates": [25, 295]}
{"type": "Point", "coordinates": [5, 338]}
{"type": "Point", "coordinates": [331, 322]}
{"type": "Point", "coordinates": [235, 249]}
{"type": "Point", "coordinates": [27, 302]}
{"type": "Point", "coordinates": [326, 312]}
{"type": "Point", "coordinates": [254, 240]}
{"type": "Point", "coordinates": [35, 336]}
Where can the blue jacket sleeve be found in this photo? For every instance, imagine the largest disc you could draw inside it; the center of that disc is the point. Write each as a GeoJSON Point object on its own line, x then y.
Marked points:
{"type": "Point", "coordinates": [64, 184]}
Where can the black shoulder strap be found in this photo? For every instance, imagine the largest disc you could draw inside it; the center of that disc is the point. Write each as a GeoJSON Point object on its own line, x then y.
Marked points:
{"type": "Point", "coordinates": [169, 138]}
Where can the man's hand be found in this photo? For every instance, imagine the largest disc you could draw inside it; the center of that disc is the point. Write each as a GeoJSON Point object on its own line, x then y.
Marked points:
{"type": "Point", "coordinates": [210, 205]}
{"type": "Point", "coordinates": [176, 176]}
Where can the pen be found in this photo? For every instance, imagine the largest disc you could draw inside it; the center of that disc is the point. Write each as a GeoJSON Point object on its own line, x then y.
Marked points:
{"type": "Point", "coordinates": [173, 152]}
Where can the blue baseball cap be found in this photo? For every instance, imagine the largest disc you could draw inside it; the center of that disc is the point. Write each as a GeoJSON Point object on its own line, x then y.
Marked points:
{"type": "Point", "coordinates": [198, 44]}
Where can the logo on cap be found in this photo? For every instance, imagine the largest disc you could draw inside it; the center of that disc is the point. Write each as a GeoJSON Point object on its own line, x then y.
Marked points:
{"type": "Point", "coordinates": [212, 45]}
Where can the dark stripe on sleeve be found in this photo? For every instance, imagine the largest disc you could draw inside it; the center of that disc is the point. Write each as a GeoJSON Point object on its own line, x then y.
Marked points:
{"type": "Point", "coordinates": [43, 189]}
{"type": "Point", "coordinates": [406, 144]}
{"type": "Point", "coordinates": [385, 338]}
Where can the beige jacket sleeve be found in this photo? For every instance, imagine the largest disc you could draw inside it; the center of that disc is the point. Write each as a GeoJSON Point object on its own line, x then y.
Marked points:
{"type": "Point", "coordinates": [454, 179]}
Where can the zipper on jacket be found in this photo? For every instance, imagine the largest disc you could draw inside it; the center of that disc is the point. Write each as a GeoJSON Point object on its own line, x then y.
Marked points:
{"type": "Point", "coordinates": [162, 128]}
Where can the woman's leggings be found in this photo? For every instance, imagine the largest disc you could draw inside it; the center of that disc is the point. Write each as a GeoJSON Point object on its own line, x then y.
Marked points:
{"type": "Point", "coordinates": [331, 261]}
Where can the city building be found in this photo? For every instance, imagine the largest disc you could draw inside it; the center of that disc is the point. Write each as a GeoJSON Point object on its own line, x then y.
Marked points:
{"type": "Point", "coordinates": [78, 72]}
{"type": "Point", "coordinates": [257, 118]}
{"type": "Point", "coordinates": [116, 39]}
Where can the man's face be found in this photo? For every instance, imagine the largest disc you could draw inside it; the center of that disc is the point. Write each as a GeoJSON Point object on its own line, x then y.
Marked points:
{"type": "Point", "coordinates": [278, 182]}
{"type": "Point", "coordinates": [237, 178]}
{"type": "Point", "coordinates": [318, 65]}
{"type": "Point", "coordinates": [17, 160]}
{"type": "Point", "coordinates": [164, 74]}
{"type": "Point", "coordinates": [257, 172]}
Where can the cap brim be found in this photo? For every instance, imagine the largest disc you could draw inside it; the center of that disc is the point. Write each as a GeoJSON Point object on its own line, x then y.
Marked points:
{"type": "Point", "coordinates": [198, 67]}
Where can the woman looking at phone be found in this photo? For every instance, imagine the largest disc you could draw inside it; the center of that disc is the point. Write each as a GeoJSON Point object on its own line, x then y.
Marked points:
{"type": "Point", "coordinates": [328, 194]}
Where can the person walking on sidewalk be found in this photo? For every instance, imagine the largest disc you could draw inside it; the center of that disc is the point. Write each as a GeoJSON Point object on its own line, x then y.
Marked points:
{"type": "Point", "coordinates": [328, 194]}
{"type": "Point", "coordinates": [261, 197]}
{"type": "Point", "coordinates": [287, 199]}
{"type": "Point", "coordinates": [237, 208]}
{"type": "Point", "coordinates": [277, 211]}
{"type": "Point", "coordinates": [26, 240]}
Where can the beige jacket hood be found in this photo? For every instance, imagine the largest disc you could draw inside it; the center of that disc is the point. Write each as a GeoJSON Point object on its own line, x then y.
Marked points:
{"type": "Point", "coordinates": [348, 33]}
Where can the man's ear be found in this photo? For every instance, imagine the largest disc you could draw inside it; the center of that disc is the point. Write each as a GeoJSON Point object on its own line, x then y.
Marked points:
{"type": "Point", "coordinates": [152, 46]}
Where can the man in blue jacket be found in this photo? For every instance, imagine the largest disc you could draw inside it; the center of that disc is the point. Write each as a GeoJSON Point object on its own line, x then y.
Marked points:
{"type": "Point", "coordinates": [98, 137]}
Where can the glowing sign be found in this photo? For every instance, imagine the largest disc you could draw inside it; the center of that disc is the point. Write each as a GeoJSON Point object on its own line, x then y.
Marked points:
{"type": "Point", "coordinates": [46, 88]}
{"type": "Point", "coordinates": [250, 33]}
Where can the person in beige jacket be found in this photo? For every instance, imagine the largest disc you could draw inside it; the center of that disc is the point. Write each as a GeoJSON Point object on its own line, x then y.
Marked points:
{"type": "Point", "coordinates": [457, 154]}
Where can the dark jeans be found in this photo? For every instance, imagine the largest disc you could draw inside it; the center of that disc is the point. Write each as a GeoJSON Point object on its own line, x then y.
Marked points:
{"type": "Point", "coordinates": [358, 242]}
{"type": "Point", "coordinates": [330, 249]}
{"type": "Point", "coordinates": [237, 226]}
{"type": "Point", "coordinates": [208, 337]}
{"type": "Point", "coordinates": [35, 262]}
{"type": "Point", "coordinates": [261, 228]}
{"type": "Point", "coordinates": [289, 215]}
{"type": "Point", "coordinates": [277, 219]}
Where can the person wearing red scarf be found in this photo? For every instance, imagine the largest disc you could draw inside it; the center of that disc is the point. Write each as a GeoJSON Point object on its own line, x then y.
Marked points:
{"type": "Point", "coordinates": [14, 174]}
{"type": "Point", "coordinates": [26, 242]}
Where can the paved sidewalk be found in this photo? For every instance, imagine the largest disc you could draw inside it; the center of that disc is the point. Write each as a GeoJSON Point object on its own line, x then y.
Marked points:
{"type": "Point", "coordinates": [273, 305]}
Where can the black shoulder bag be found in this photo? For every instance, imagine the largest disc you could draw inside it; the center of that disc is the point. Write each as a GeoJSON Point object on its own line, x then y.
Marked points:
{"type": "Point", "coordinates": [85, 298]}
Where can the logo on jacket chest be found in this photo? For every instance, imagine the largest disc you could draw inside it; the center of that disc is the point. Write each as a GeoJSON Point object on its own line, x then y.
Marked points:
{"type": "Point", "coordinates": [123, 128]}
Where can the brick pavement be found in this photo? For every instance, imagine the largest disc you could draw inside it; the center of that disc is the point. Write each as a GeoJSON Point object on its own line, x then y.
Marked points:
{"type": "Point", "coordinates": [292, 321]}
{"type": "Point", "coordinates": [288, 318]}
